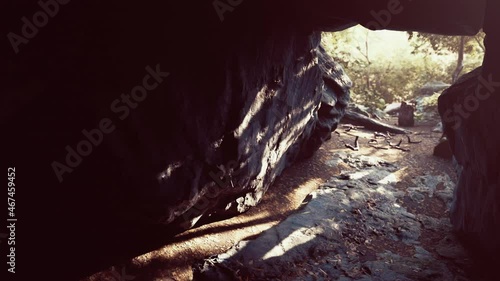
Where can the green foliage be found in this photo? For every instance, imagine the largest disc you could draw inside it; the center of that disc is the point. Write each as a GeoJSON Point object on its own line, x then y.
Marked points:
{"type": "Point", "coordinates": [430, 103]}
{"type": "Point", "coordinates": [427, 107]}
{"type": "Point", "coordinates": [439, 44]}
{"type": "Point", "coordinates": [390, 66]}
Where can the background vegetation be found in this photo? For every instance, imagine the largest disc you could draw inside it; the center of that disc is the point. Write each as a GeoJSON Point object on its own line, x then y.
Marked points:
{"type": "Point", "coordinates": [392, 66]}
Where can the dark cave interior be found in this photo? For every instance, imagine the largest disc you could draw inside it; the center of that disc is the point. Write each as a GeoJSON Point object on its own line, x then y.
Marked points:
{"type": "Point", "coordinates": [119, 116]}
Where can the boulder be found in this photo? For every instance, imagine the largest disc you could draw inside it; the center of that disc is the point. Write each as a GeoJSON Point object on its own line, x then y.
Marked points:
{"type": "Point", "coordinates": [438, 128]}
{"type": "Point", "coordinates": [431, 88]}
{"type": "Point", "coordinates": [136, 132]}
{"type": "Point", "coordinates": [392, 108]}
{"type": "Point", "coordinates": [442, 149]}
{"type": "Point", "coordinates": [471, 114]}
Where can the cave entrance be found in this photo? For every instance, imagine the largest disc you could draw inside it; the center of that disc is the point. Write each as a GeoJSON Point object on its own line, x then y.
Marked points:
{"type": "Point", "coordinates": [363, 202]}
{"type": "Point", "coordinates": [389, 67]}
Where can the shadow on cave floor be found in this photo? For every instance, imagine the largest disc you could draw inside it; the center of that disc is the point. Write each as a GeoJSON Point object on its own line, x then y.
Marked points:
{"type": "Point", "coordinates": [284, 197]}
{"type": "Point", "coordinates": [371, 214]}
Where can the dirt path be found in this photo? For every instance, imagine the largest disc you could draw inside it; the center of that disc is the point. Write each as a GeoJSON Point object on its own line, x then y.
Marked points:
{"type": "Point", "coordinates": [319, 175]}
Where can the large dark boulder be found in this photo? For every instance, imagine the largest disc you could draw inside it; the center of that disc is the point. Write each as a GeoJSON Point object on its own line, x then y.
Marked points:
{"type": "Point", "coordinates": [442, 149]}
{"type": "Point", "coordinates": [285, 117]}
{"type": "Point", "coordinates": [127, 132]}
{"type": "Point", "coordinates": [431, 88]}
{"type": "Point", "coordinates": [470, 110]}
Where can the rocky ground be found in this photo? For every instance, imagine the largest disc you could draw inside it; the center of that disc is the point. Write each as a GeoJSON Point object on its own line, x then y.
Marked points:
{"type": "Point", "coordinates": [383, 217]}
{"type": "Point", "coordinates": [378, 213]}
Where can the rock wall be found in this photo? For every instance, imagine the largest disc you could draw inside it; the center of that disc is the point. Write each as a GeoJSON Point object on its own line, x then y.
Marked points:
{"type": "Point", "coordinates": [288, 106]}
{"type": "Point", "coordinates": [470, 110]}
{"type": "Point", "coordinates": [471, 114]}
{"type": "Point", "coordinates": [134, 130]}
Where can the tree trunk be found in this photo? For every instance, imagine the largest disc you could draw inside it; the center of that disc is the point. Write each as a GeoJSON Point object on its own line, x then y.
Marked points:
{"type": "Point", "coordinates": [357, 119]}
{"type": "Point", "coordinates": [460, 60]}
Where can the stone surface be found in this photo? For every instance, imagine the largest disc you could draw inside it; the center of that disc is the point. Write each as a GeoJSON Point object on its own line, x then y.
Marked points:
{"type": "Point", "coordinates": [438, 128]}
{"type": "Point", "coordinates": [355, 227]}
{"type": "Point", "coordinates": [474, 138]}
{"type": "Point", "coordinates": [442, 149]}
{"type": "Point", "coordinates": [220, 123]}
{"type": "Point", "coordinates": [431, 88]}
{"type": "Point", "coordinates": [392, 108]}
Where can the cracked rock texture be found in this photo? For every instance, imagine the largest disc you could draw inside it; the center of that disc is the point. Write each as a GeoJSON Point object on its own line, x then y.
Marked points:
{"type": "Point", "coordinates": [474, 142]}
{"type": "Point", "coordinates": [221, 123]}
{"type": "Point", "coordinates": [355, 227]}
